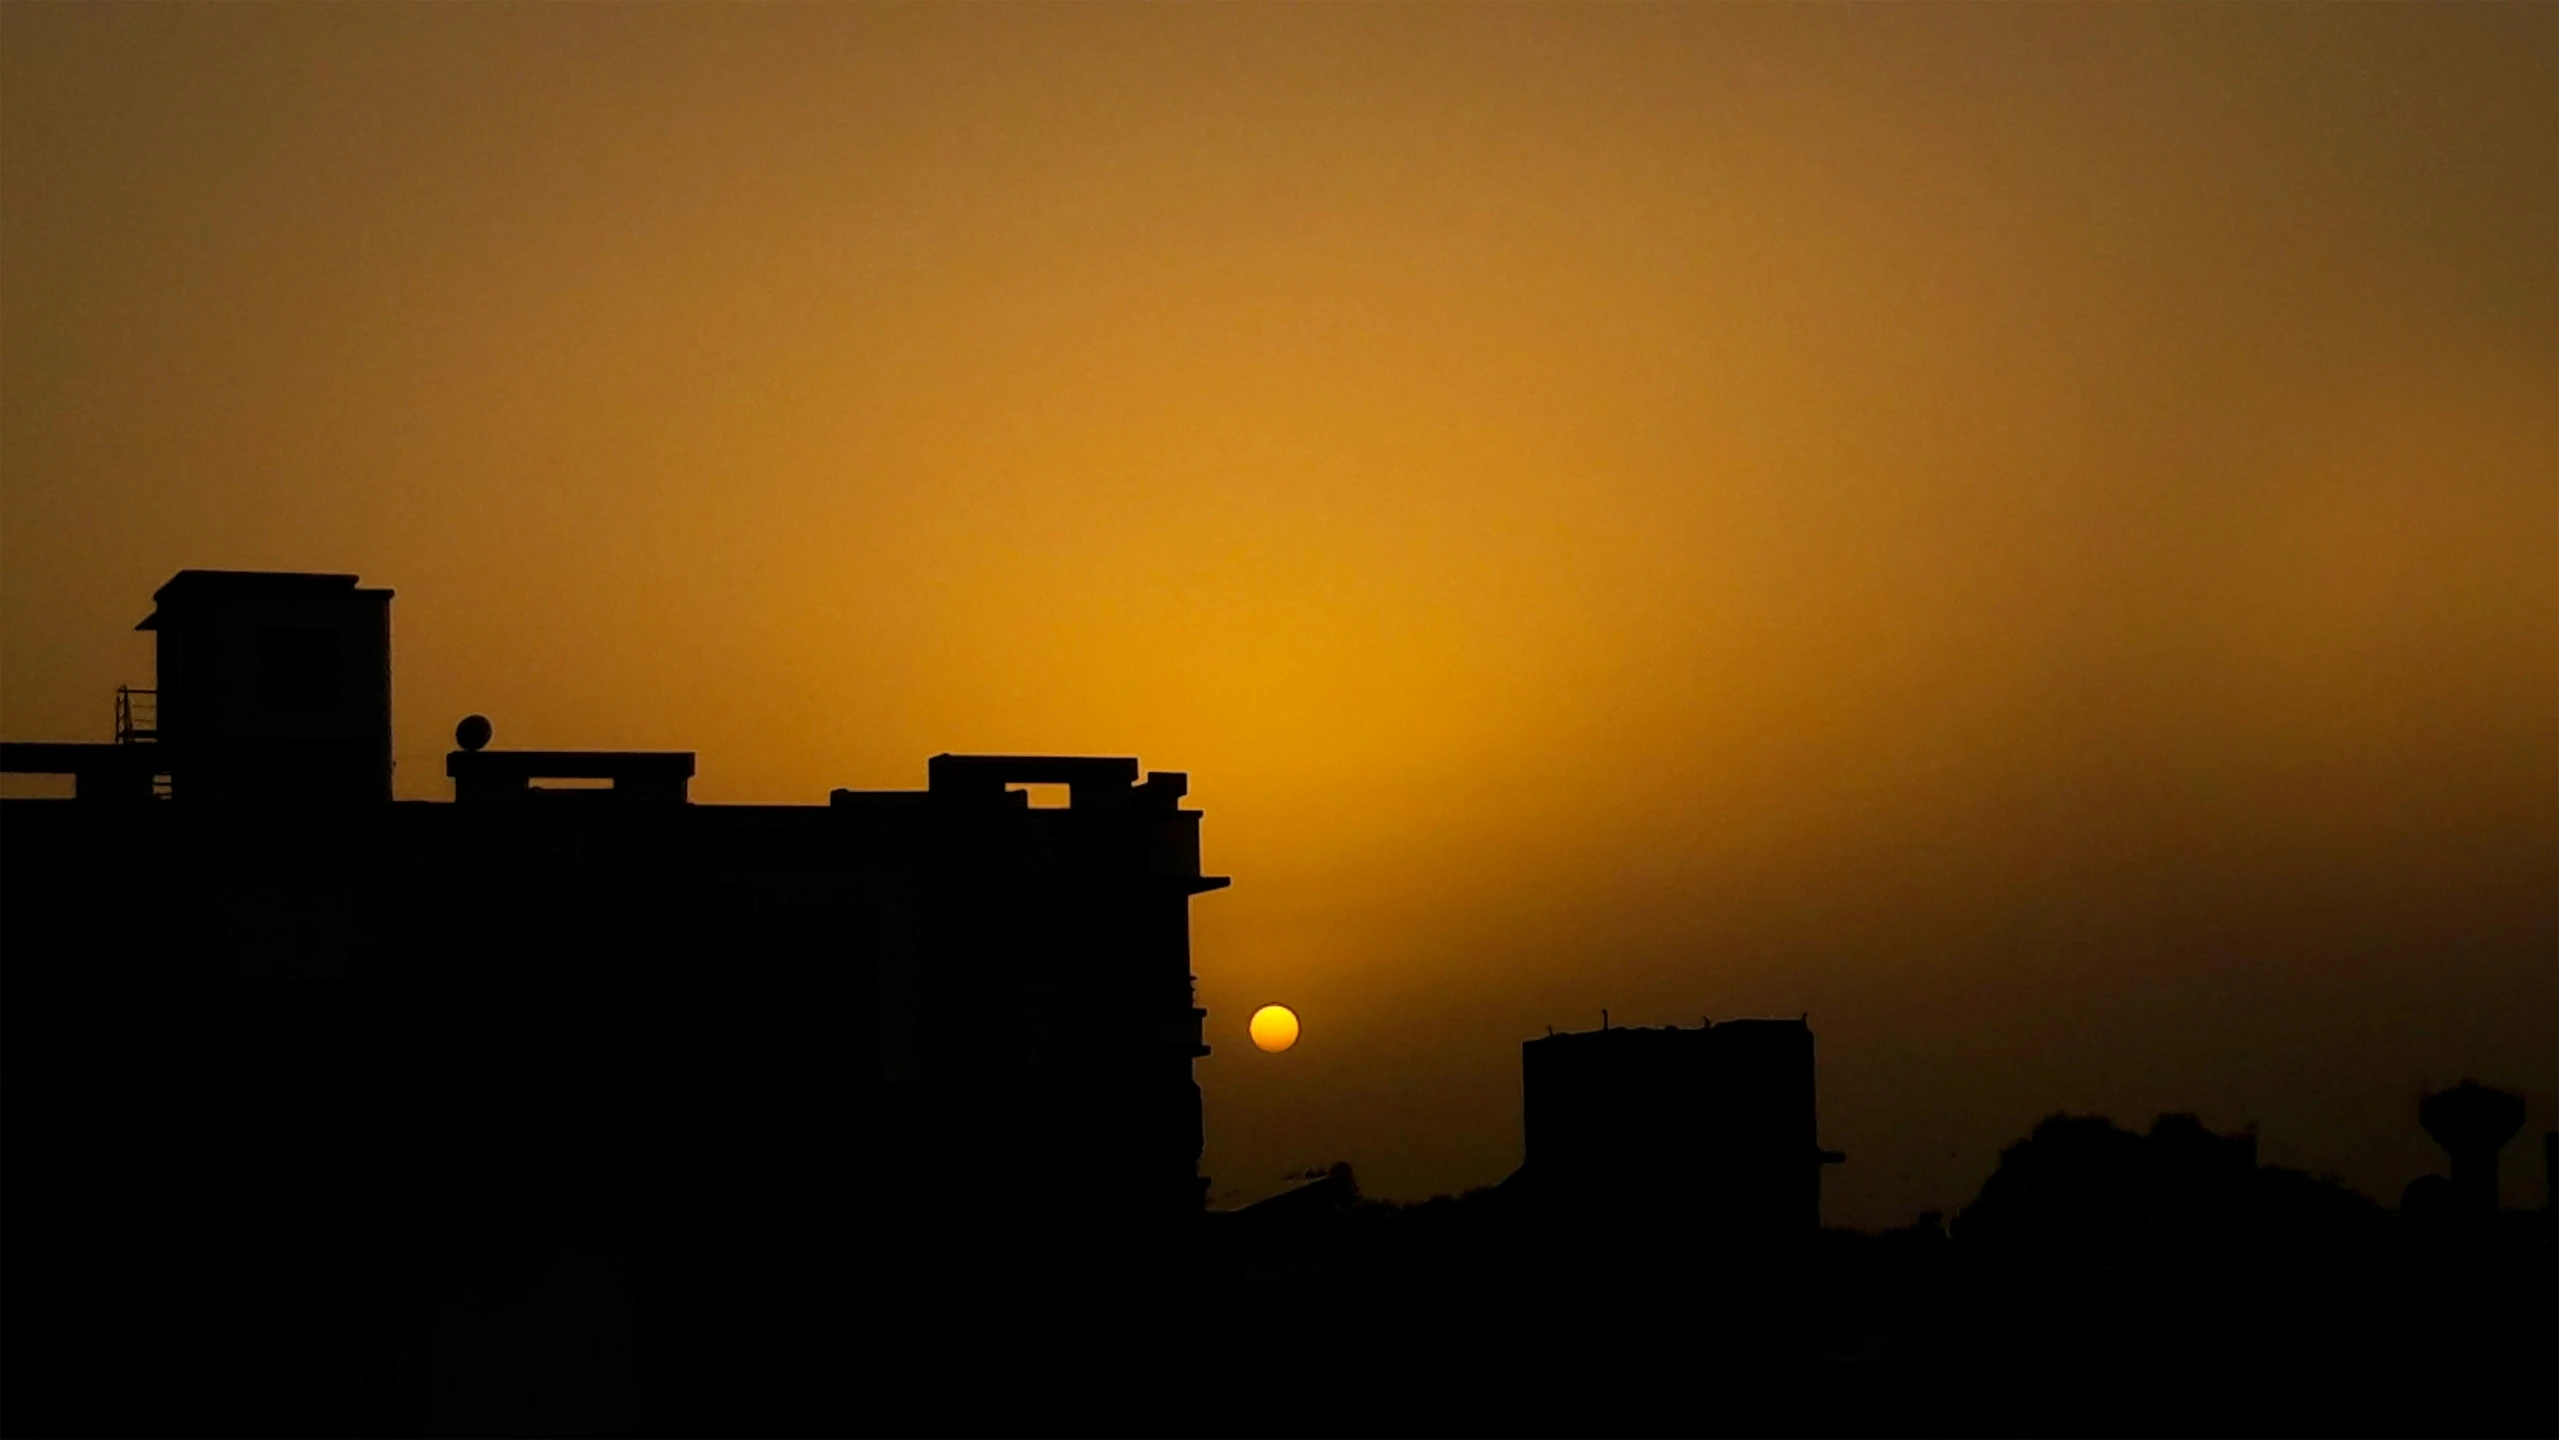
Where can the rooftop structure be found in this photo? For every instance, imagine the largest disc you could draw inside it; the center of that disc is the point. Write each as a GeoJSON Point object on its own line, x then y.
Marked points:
{"type": "Point", "coordinates": [1712, 1128]}
{"type": "Point", "coordinates": [666, 1081]}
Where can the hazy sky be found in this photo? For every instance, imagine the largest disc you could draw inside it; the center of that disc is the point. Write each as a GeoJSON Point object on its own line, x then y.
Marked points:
{"type": "Point", "coordinates": [2029, 533]}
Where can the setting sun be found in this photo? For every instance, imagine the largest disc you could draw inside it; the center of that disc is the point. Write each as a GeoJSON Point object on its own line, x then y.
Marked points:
{"type": "Point", "coordinates": [1274, 1028]}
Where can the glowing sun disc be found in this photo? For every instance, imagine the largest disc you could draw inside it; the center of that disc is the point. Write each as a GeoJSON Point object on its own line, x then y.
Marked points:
{"type": "Point", "coordinates": [1274, 1028]}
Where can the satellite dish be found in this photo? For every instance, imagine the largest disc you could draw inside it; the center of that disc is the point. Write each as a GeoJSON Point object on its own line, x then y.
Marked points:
{"type": "Point", "coordinates": [474, 732]}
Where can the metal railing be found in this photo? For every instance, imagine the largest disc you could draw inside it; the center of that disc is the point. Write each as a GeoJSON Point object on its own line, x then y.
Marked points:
{"type": "Point", "coordinates": [137, 715]}
{"type": "Point", "coordinates": [138, 723]}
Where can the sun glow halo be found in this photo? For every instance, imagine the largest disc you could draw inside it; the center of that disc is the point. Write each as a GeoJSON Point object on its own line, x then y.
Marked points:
{"type": "Point", "coordinates": [1274, 1028]}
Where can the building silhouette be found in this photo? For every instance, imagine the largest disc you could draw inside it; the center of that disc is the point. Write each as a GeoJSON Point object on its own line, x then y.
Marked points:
{"type": "Point", "coordinates": [336, 1113]}
{"type": "Point", "coordinates": [1712, 1129]}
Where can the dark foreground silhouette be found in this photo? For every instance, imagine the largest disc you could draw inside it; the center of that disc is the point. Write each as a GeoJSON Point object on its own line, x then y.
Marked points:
{"type": "Point", "coordinates": [568, 1104]}
{"type": "Point", "coordinates": [586, 1109]}
{"type": "Point", "coordinates": [2104, 1282]}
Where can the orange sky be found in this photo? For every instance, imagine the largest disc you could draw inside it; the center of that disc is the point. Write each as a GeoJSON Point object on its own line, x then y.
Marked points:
{"type": "Point", "coordinates": [2031, 534]}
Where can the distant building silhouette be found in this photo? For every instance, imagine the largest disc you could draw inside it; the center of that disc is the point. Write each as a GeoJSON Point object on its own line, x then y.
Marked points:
{"type": "Point", "coordinates": [1713, 1128]}
{"type": "Point", "coordinates": [333, 1113]}
{"type": "Point", "coordinates": [2472, 1122]}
